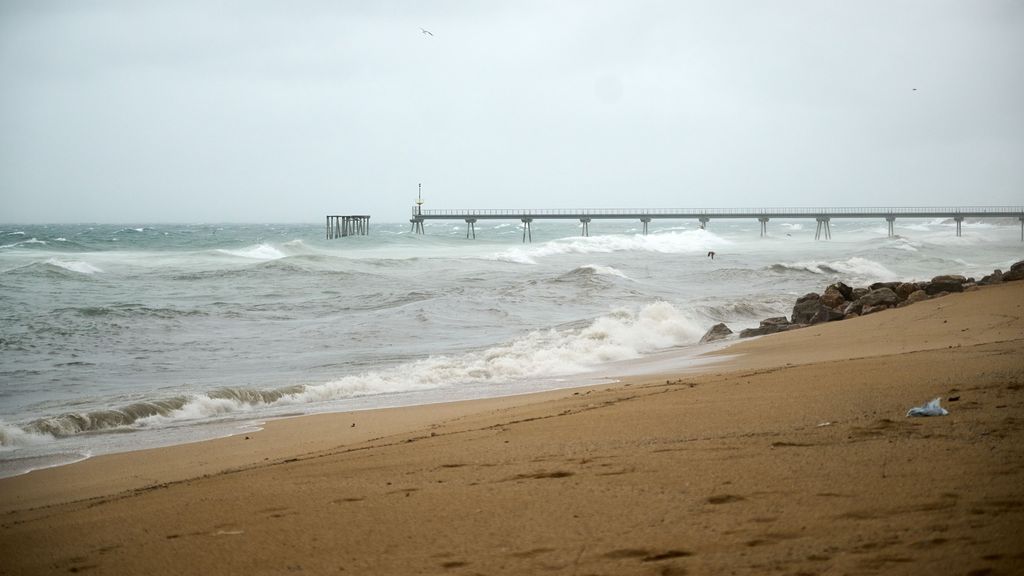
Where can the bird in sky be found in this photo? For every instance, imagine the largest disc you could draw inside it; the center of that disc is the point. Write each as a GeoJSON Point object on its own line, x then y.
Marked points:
{"type": "Point", "coordinates": [426, 32]}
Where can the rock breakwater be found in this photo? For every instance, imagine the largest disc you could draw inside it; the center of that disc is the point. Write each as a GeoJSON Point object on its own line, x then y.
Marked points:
{"type": "Point", "coordinates": [840, 302]}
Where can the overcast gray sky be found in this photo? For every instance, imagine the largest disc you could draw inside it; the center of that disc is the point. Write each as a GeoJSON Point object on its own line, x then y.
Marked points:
{"type": "Point", "coordinates": [198, 111]}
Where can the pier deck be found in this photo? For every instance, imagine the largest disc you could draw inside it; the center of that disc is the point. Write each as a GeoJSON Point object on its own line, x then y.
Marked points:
{"type": "Point", "coordinates": [704, 215]}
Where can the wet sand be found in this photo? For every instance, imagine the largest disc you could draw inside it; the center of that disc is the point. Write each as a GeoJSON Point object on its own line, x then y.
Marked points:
{"type": "Point", "coordinates": [792, 456]}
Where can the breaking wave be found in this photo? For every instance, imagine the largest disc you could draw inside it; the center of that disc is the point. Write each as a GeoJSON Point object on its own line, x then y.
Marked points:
{"type": "Point", "coordinates": [856, 269]}
{"type": "Point", "coordinates": [621, 335]}
{"type": "Point", "coordinates": [687, 241]}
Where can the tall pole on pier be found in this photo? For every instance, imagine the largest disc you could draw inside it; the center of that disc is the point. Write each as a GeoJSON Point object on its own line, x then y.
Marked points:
{"type": "Point", "coordinates": [417, 220]}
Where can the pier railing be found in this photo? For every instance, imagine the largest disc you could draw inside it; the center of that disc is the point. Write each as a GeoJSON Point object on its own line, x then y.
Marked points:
{"type": "Point", "coordinates": [570, 213]}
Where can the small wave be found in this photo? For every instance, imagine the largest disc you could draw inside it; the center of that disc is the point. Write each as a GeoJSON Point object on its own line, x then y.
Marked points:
{"type": "Point", "coordinates": [78, 266]}
{"type": "Point", "coordinates": [28, 242]}
{"type": "Point", "coordinates": [130, 311]}
{"type": "Point", "coordinates": [591, 270]}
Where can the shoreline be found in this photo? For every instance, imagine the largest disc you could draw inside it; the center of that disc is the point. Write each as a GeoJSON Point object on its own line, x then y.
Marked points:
{"type": "Point", "coordinates": [601, 467]}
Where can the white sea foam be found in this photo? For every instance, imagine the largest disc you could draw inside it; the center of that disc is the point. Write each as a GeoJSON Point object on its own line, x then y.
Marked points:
{"type": "Point", "coordinates": [13, 437]}
{"type": "Point", "coordinates": [605, 270]}
{"type": "Point", "coordinates": [256, 252]}
{"type": "Point", "coordinates": [856, 269]}
{"type": "Point", "coordinates": [621, 335]}
{"type": "Point", "coordinates": [688, 241]}
{"type": "Point", "coordinates": [74, 266]}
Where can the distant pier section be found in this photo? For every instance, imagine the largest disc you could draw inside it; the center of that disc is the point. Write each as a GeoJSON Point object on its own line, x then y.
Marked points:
{"type": "Point", "coordinates": [823, 216]}
{"type": "Point", "coordinates": [341, 226]}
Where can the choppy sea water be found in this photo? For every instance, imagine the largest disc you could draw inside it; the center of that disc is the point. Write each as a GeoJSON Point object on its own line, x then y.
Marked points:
{"type": "Point", "coordinates": [116, 338]}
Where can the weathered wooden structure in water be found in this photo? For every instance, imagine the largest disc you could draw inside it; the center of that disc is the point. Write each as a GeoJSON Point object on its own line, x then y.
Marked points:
{"type": "Point", "coordinates": [341, 226]}
{"type": "Point", "coordinates": [823, 216]}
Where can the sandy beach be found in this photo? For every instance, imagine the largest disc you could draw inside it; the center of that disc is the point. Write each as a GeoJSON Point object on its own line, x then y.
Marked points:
{"type": "Point", "coordinates": [793, 455]}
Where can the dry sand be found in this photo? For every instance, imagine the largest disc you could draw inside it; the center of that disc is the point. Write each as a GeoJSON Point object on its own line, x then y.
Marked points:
{"type": "Point", "coordinates": [792, 456]}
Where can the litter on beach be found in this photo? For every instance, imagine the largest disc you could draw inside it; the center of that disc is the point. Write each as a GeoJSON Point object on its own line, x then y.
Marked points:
{"type": "Point", "coordinates": [930, 409]}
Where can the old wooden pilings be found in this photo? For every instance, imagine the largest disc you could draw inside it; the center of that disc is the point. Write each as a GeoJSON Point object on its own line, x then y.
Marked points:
{"type": "Point", "coordinates": [341, 226]}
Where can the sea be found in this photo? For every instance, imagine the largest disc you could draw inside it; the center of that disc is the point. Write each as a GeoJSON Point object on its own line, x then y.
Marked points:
{"type": "Point", "coordinates": [123, 337]}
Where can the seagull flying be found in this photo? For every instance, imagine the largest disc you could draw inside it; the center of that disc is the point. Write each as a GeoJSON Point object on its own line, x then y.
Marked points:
{"type": "Point", "coordinates": [426, 32]}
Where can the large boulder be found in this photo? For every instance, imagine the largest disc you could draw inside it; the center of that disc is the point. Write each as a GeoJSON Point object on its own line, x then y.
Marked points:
{"type": "Point", "coordinates": [905, 289]}
{"type": "Point", "coordinates": [996, 277]}
{"type": "Point", "coordinates": [717, 332]}
{"type": "Point", "coordinates": [843, 289]}
{"type": "Point", "coordinates": [879, 297]}
{"type": "Point", "coordinates": [913, 297]}
{"type": "Point", "coordinates": [833, 298]}
{"type": "Point", "coordinates": [826, 314]}
{"type": "Point", "coordinates": [768, 326]}
{"type": "Point", "coordinates": [872, 309]}
{"type": "Point", "coordinates": [889, 285]}
{"type": "Point", "coordinates": [1016, 272]}
{"type": "Point", "coordinates": [945, 283]}
{"type": "Point", "coordinates": [805, 308]}
{"type": "Point", "coordinates": [857, 293]}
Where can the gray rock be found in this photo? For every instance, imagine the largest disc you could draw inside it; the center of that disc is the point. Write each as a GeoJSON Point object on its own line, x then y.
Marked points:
{"type": "Point", "coordinates": [857, 293]}
{"type": "Point", "coordinates": [996, 277]}
{"type": "Point", "coordinates": [826, 314]}
{"type": "Point", "coordinates": [869, 309]}
{"type": "Point", "coordinates": [768, 326]}
{"type": "Point", "coordinates": [1015, 273]}
{"type": "Point", "coordinates": [914, 297]}
{"type": "Point", "coordinates": [889, 285]}
{"type": "Point", "coordinates": [947, 283]}
{"type": "Point", "coordinates": [808, 296]}
{"type": "Point", "coordinates": [880, 297]}
{"type": "Point", "coordinates": [905, 289]}
{"type": "Point", "coordinates": [833, 298]}
{"type": "Point", "coordinates": [805, 309]}
{"type": "Point", "coordinates": [843, 289]}
{"type": "Point", "coordinates": [717, 332]}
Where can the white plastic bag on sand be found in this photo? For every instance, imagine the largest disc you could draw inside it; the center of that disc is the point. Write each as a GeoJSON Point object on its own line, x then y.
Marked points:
{"type": "Point", "coordinates": [930, 409]}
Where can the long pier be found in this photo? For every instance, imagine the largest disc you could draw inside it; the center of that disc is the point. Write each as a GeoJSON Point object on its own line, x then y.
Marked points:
{"type": "Point", "coordinates": [823, 216]}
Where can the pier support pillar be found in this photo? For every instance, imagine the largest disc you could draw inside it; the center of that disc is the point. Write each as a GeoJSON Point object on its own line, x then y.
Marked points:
{"type": "Point", "coordinates": [891, 220]}
{"type": "Point", "coordinates": [527, 230]}
{"type": "Point", "coordinates": [704, 222]}
{"type": "Point", "coordinates": [823, 228]}
{"type": "Point", "coordinates": [645, 222]}
{"type": "Point", "coordinates": [417, 225]}
{"type": "Point", "coordinates": [1022, 228]}
{"type": "Point", "coordinates": [959, 221]}
{"type": "Point", "coordinates": [764, 226]}
{"type": "Point", "coordinates": [471, 227]}
{"type": "Point", "coordinates": [585, 226]}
